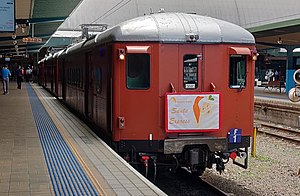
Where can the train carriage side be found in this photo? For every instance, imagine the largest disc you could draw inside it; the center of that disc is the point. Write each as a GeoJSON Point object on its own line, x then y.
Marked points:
{"type": "Point", "coordinates": [86, 81]}
{"type": "Point", "coordinates": [73, 72]}
{"type": "Point", "coordinates": [60, 78]}
{"type": "Point", "coordinates": [183, 89]}
{"type": "Point", "coordinates": [49, 73]}
{"type": "Point", "coordinates": [40, 73]}
{"type": "Point", "coordinates": [100, 103]}
{"type": "Point", "coordinates": [57, 75]}
{"type": "Point", "coordinates": [61, 75]}
{"type": "Point", "coordinates": [48, 69]}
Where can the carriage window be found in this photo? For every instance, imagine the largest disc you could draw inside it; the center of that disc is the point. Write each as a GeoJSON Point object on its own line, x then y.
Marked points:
{"type": "Point", "coordinates": [190, 71]}
{"type": "Point", "coordinates": [138, 71]}
{"type": "Point", "coordinates": [98, 80]}
{"type": "Point", "coordinates": [237, 73]}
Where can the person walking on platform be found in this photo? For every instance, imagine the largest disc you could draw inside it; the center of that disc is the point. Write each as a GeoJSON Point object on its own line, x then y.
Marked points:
{"type": "Point", "coordinates": [5, 73]}
{"type": "Point", "coordinates": [19, 77]}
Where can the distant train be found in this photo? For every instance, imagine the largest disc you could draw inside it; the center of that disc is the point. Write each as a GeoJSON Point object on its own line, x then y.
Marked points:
{"type": "Point", "coordinates": [166, 88]}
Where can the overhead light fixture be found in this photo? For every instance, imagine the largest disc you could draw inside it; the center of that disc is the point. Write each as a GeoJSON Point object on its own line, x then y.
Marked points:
{"type": "Point", "coordinates": [254, 54]}
{"type": "Point", "coordinates": [14, 36]}
{"type": "Point", "coordinates": [279, 41]}
{"type": "Point", "coordinates": [121, 52]}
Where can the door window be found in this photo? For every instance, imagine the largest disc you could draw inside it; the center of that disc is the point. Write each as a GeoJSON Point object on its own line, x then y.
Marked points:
{"type": "Point", "coordinates": [190, 71]}
{"type": "Point", "coordinates": [98, 78]}
{"type": "Point", "coordinates": [138, 71]}
{"type": "Point", "coordinates": [237, 72]}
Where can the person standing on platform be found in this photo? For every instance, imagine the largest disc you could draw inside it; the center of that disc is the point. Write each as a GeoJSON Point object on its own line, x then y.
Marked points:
{"type": "Point", "coordinates": [28, 74]}
{"type": "Point", "coordinates": [5, 73]}
{"type": "Point", "coordinates": [19, 77]}
{"type": "Point", "coordinates": [276, 75]}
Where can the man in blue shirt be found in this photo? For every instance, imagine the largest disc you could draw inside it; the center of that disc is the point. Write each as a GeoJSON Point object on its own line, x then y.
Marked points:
{"type": "Point", "coordinates": [5, 73]}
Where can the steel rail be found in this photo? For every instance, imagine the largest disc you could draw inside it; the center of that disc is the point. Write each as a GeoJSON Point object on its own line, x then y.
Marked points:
{"type": "Point", "coordinates": [281, 132]}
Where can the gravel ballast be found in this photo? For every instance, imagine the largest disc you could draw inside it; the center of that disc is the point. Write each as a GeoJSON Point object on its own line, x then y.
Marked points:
{"type": "Point", "coordinates": [274, 170]}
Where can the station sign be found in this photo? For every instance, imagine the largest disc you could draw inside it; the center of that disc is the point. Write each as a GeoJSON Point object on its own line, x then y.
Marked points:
{"type": "Point", "coordinates": [32, 40]}
{"type": "Point", "coordinates": [7, 15]}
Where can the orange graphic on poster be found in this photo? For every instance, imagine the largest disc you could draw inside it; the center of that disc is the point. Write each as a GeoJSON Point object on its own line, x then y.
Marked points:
{"type": "Point", "coordinates": [196, 108]}
{"type": "Point", "coordinates": [173, 99]}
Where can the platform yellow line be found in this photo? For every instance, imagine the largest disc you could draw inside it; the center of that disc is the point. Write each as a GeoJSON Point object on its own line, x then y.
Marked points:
{"type": "Point", "coordinates": [87, 170]}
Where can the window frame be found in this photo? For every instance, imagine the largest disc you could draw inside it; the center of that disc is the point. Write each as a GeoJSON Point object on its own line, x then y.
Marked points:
{"type": "Point", "coordinates": [128, 56]}
{"type": "Point", "coordinates": [233, 83]}
{"type": "Point", "coordinates": [196, 82]}
{"type": "Point", "coordinates": [98, 80]}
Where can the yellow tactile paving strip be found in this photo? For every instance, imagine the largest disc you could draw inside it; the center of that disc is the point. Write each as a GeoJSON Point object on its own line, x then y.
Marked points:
{"type": "Point", "coordinates": [110, 173]}
{"type": "Point", "coordinates": [68, 140]}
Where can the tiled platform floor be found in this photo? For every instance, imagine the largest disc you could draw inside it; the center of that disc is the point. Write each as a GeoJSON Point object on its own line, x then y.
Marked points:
{"type": "Point", "coordinates": [22, 166]}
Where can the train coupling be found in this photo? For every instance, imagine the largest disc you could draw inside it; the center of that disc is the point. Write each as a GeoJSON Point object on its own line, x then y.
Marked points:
{"type": "Point", "coordinates": [145, 160]}
{"type": "Point", "coordinates": [236, 154]}
{"type": "Point", "coordinates": [239, 157]}
{"type": "Point", "coordinates": [220, 163]}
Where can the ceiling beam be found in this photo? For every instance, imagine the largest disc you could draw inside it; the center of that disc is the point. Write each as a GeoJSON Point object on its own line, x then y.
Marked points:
{"type": "Point", "coordinates": [21, 49]}
{"type": "Point", "coordinates": [40, 20]}
{"type": "Point", "coordinates": [46, 20]}
{"type": "Point", "coordinates": [277, 25]}
{"type": "Point", "coordinates": [28, 46]}
{"type": "Point", "coordinates": [21, 37]}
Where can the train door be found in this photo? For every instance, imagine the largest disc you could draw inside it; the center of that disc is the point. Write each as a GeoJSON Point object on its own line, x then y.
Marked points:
{"type": "Point", "coordinates": [52, 64]}
{"type": "Point", "coordinates": [56, 77]}
{"type": "Point", "coordinates": [137, 98]}
{"type": "Point", "coordinates": [190, 62]}
{"type": "Point", "coordinates": [240, 88]}
{"type": "Point", "coordinates": [89, 87]}
{"type": "Point", "coordinates": [63, 74]}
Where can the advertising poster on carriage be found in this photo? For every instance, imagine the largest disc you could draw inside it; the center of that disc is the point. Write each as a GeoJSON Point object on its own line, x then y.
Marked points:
{"type": "Point", "coordinates": [192, 112]}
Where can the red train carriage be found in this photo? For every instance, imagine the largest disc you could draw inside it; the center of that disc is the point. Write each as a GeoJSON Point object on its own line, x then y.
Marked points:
{"type": "Point", "coordinates": [168, 85]}
{"type": "Point", "coordinates": [48, 73]}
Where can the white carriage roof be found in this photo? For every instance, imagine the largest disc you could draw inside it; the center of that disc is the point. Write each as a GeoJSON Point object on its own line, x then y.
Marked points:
{"type": "Point", "coordinates": [174, 27]}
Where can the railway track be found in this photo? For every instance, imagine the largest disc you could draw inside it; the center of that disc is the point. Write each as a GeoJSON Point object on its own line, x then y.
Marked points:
{"type": "Point", "coordinates": [216, 189]}
{"type": "Point", "coordinates": [278, 131]}
{"type": "Point", "coordinates": [183, 183]}
{"type": "Point", "coordinates": [208, 185]}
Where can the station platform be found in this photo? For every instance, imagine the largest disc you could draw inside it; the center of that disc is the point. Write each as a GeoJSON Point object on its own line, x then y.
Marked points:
{"type": "Point", "coordinates": [269, 93]}
{"type": "Point", "coordinates": [273, 96]}
{"type": "Point", "coordinates": [275, 107]}
{"type": "Point", "coordinates": [46, 150]}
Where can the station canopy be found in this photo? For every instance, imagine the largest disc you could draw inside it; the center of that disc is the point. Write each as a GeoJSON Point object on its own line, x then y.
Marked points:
{"type": "Point", "coordinates": [271, 21]}
{"type": "Point", "coordinates": [37, 19]}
